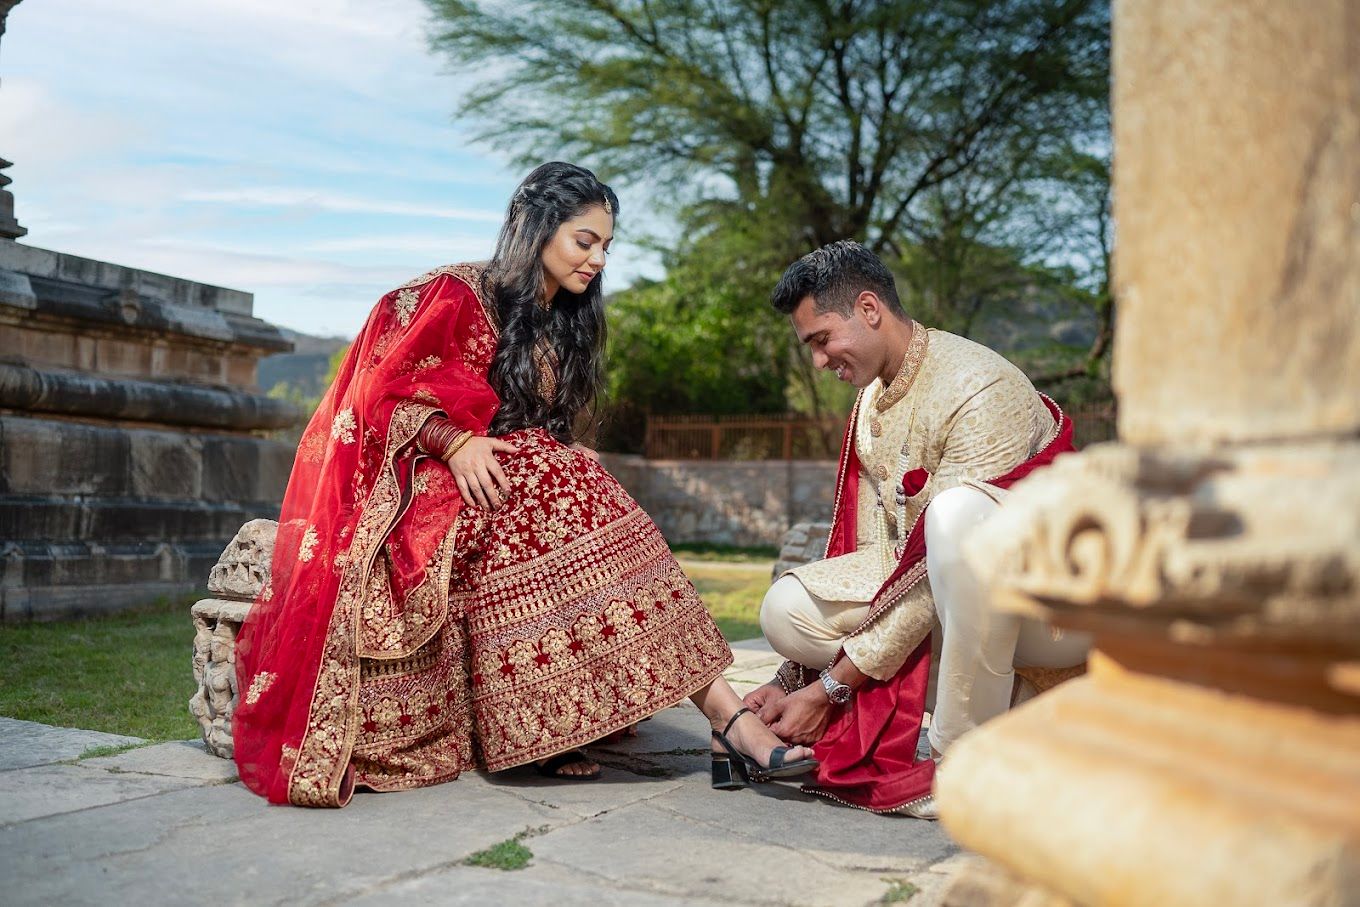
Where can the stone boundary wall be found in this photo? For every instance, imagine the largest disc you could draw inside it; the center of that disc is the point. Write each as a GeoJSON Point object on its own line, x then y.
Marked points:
{"type": "Point", "coordinates": [744, 503]}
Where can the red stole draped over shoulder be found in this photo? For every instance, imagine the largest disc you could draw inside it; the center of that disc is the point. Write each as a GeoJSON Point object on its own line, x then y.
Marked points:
{"type": "Point", "coordinates": [868, 753]}
{"type": "Point", "coordinates": [425, 349]}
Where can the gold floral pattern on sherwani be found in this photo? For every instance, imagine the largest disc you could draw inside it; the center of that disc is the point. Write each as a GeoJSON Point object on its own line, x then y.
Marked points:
{"type": "Point", "coordinates": [966, 413]}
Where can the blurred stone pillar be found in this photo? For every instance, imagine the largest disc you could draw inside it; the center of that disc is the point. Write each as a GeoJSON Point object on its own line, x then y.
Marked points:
{"type": "Point", "coordinates": [1212, 755]}
{"type": "Point", "coordinates": [9, 227]}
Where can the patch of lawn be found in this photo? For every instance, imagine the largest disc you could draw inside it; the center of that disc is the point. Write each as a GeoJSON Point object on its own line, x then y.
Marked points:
{"type": "Point", "coordinates": [130, 673]}
{"type": "Point", "coordinates": [705, 551]}
{"type": "Point", "coordinates": [124, 674]}
{"type": "Point", "coordinates": [733, 592]}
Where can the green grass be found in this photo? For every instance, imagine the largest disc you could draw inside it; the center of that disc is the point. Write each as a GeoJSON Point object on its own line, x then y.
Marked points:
{"type": "Point", "coordinates": [899, 891]}
{"type": "Point", "coordinates": [96, 752]}
{"type": "Point", "coordinates": [509, 854]}
{"type": "Point", "coordinates": [128, 674]}
{"type": "Point", "coordinates": [704, 551]}
{"type": "Point", "coordinates": [733, 592]}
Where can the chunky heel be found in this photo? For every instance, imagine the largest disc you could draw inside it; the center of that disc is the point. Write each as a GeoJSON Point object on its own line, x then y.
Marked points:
{"type": "Point", "coordinates": [727, 775]}
{"type": "Point", "coordinates": [750, 769]}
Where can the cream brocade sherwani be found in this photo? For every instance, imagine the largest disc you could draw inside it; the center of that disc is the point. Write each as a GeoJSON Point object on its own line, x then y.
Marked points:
{"type": "Point", "coordinates": [961, 412]}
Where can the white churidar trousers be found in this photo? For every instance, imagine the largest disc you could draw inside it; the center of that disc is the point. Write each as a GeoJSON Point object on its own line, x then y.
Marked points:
{"type": "Point", "coordinates": [980, 647]}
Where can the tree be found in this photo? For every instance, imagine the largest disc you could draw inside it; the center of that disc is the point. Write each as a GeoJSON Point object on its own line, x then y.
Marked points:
{"type": "Point", "coordinates": [842, 115]}
{"type": "Point", "coordinates": [939, 132]}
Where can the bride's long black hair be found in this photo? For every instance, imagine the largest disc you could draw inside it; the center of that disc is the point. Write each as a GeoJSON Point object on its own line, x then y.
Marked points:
{"type": "Point", "coordinates": [574, 324]}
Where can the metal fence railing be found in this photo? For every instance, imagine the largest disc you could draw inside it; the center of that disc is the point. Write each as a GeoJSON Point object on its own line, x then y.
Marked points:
{"type": "Point", "coordinates": [765, 437]}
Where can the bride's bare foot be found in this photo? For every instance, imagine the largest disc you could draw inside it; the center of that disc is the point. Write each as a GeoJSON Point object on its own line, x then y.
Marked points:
{"type": "Point", "coordinates": [571, 764]}
{"type": "Point", "coordinates": [750, 735]}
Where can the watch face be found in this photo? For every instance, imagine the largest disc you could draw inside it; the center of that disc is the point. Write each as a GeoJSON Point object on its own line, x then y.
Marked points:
{"type": "Point", "coordinates": [841, 695]}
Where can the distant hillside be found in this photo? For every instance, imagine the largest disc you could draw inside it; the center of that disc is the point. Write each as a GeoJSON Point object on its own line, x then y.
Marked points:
{"type": "Point", "coordinates": [303, 370]}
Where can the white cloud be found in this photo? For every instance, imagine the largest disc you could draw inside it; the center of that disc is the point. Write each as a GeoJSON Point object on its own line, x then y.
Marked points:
{"type": "Point", "coordinates": [301, 150]}
{"type": "Point", "coordinates": [285, 197]}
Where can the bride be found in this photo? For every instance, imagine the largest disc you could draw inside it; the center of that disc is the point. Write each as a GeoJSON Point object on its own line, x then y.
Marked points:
{"type": "Point", "coordinates": [455, 583]}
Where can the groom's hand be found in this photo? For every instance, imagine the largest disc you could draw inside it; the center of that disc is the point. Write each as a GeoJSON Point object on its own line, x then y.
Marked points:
{"type": "Point", "coordinates": [800, 717]}
{"type": "Point", "coordinates": [762, 697]}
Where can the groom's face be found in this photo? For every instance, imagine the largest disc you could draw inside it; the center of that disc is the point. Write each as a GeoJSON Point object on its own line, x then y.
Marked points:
{"type": "Point", "coordinates": [844, 345]}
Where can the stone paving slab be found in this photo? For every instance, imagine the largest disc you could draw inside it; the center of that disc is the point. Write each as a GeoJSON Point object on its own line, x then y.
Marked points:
{"type": "Point", "coordinates": [538, 885]}
{"type": "Point", "coordinates": [24, 744]}
{"type": "Point", "coordinates": [165, 849]}
{"type": "Point", "coordinates": [169, 824]}
{"type": "Point", "coordinates": [782, 815]}
{"type": "Point", "coordinates": [177, 759]}
{"type": "Point", "coordinates": [674, 855]}
{"type": "Point", "coordinates": [49, 790]}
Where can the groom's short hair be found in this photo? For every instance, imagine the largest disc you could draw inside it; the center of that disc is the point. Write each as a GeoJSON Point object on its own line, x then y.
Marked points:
{"type": "Point", "coordinates": [834, 276]}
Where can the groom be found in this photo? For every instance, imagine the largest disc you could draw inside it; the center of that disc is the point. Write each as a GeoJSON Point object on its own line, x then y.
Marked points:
{"type": "Point", "coordinates": [941, 426]}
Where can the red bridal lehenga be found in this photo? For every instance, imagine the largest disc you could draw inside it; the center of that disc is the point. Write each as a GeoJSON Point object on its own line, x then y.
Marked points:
{"type": "Point", "coordinates": [404, 638]}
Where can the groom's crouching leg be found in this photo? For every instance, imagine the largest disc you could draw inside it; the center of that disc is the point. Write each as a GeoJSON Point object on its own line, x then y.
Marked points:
{"type": "Point", "coordinates": [796, 625]}
{"type": "Point", "coordinates": [976, 675]}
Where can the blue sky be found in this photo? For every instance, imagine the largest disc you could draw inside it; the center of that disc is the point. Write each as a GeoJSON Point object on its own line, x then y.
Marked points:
{"type": "Point", "coordinates": [301, 150]}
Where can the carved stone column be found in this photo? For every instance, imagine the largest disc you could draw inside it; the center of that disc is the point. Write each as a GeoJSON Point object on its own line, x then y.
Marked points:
{"type": "Point", "coordinates": [9, 227]}
{"type": "Point", "coordinates": [1212, 756]}
{"type": "Point", "coordinates": [236, 581]}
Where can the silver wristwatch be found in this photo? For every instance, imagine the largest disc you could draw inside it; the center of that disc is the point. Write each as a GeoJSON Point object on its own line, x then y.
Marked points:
{"type": "Point", "coordinates": [837, 692]}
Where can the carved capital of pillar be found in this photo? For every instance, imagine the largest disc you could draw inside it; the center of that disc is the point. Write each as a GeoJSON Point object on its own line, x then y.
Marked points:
{"type": "Point", "coordinates": [9, 227]}
{"type": "Point", "coordinates": [1255, 542]}
{"type": "Point", "coordinates": [1212, 754]}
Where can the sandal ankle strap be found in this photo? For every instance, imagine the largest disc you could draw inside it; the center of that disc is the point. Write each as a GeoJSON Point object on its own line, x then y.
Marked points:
{"type": "Point", "coordinates": [733, 720]}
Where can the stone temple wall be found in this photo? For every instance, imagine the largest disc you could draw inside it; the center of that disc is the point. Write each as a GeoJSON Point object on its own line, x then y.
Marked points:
{"type": "Point", "coordinates": [726, 502]}
{"type": "Point", "coordinates": [131, 432]}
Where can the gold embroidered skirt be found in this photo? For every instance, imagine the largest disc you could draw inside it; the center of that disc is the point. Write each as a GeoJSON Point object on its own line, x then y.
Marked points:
{"type": "Point", "coordinates": [567, 619]}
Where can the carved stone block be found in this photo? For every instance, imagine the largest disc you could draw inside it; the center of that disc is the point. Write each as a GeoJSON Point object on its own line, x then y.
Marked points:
{"type": "Point", "coordinates": [243, 569]}
{"type": "Point", "coordinates": [240, 574]}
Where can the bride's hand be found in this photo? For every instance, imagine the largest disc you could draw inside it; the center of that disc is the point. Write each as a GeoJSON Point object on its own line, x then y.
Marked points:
{"type": "Point", "coordinates": [480, 478]}
{"type": "Point", "coordinates": [593, 454]}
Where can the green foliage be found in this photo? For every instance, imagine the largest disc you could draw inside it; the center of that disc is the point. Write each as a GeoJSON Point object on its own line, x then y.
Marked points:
{"type": "Point", "coordinates": [899, 891]}
{"type": "Point", "coordinates": [965, 142]}
{"type": "Point", "coordinates": [305, 399]}
{"type": "Point", "coordinates": [508, 856]}
{"type": "Point", "coordinates": [126, 674]}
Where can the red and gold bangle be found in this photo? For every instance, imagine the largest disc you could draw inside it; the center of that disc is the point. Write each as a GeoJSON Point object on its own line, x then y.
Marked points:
{"type": "Point", "coordinates": [441, 437]}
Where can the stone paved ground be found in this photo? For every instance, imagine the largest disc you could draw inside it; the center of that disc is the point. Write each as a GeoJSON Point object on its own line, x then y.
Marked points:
{"type": "Point", "coordinates": [170, 824]}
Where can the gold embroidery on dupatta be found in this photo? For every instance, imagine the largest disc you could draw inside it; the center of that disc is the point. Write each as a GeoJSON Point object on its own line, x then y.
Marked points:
{"type": "Point", "coordinates": [313, 447]}
{"type": "Point", "coordinates": [307, 548]}
{"type": "Point", "coordinates": [405, 305]}
{"type": "Point", "coordinates": [343, 426]}
{"type": "Point", "coordinates": [262, 682]}
{"type": "Point", "coordinates": [332, 723]}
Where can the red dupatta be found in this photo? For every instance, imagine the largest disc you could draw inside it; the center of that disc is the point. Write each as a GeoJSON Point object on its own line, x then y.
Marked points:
{"type": "Point", "coordinates": [868, 753]}
{"type": "Point", "coordinates": [424, 350]}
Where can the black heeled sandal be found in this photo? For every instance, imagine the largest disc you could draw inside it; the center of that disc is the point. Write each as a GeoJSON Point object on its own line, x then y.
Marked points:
{"type": "Point", "coordinates": [731, 770]}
